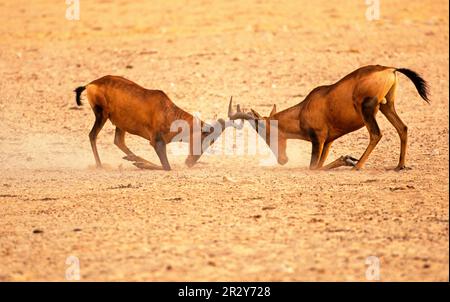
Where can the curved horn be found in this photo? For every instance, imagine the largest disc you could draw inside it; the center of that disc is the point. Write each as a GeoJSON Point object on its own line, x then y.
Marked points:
{"type": "Point", "coordinates": [274, 110]}
{"type": "Point", "coordinates": [256, 114]}
{"type": "Point", "coordinates": [238, 115]}
{"type": "Point", "coordinates": [242, 116]}
{"type": "Point", "coordinates": [230, 106]}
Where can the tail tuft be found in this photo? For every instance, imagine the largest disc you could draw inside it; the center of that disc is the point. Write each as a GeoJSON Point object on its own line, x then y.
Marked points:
{"type": "Point", "coordinates": [78, 92]}
{"type": "Point", "coordinates": [421, 85]}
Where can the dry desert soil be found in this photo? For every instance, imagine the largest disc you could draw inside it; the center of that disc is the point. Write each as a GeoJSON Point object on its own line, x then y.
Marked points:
{"type": "Point", "coordinates": [228, 217]}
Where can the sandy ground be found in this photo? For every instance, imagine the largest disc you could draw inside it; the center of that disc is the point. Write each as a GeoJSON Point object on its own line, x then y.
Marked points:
{"type": "Point", "coordinates": [227, 218]}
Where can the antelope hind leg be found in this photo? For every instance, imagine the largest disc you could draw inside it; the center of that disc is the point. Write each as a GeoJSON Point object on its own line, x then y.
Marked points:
{"type": "Point", "coordinates": [100, 121]}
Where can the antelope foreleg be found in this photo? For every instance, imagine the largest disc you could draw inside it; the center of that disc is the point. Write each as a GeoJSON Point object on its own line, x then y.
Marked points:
{"type": "Point", "coordinates": [346, 160]}
{"type": "Point", "coordinates": [160, 148]}
{"type": "Point", "coordinates": [147, 165]}
{"type": "Point", "coordinates": [119, 141]}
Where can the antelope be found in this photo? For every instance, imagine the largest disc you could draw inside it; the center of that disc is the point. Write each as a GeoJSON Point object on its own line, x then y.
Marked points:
{"type": "Point", "coordinates": [331, 111]}
{"type": "Point", "coordinates": [143, 112]}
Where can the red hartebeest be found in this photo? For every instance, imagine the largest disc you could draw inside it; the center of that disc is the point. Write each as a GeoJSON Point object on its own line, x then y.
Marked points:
{"type": "Point", "coordinates": [329, 112]}
{"type": "Point", "coordinates": [143, 112]}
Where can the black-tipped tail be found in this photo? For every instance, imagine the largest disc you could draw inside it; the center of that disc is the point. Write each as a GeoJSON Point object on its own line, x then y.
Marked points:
{"type": "Point", "coordinates": [421, 85]}
{"type": "Point", "coordinates": [78, 92]}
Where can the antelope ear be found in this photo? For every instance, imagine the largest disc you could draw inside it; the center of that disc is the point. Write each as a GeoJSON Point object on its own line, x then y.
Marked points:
{"type": "Point", "coordinates": [274, 110]}
{"type": "Point", "coordinates": [256, 114]}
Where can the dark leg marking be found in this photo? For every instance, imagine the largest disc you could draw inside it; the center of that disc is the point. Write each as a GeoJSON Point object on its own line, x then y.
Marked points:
{"type": "Point", "coordinates": [317, 147]}
{"type": "Point", "coordinates": [160, 147]}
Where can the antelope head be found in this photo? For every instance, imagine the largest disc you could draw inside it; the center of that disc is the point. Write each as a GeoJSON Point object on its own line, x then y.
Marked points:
{"type": "Point", "coordinates": [262, 125]}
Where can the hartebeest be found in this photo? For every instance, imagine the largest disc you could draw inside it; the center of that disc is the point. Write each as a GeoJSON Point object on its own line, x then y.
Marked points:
{"type": "Point", "coordinates": [143, 112]}
{"type": "Point", "coordinates": [329, 112]}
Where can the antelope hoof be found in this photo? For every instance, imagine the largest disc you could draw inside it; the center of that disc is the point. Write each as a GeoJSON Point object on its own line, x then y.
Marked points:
{"type": "Point", "coordinates": [400, 168]}
{"type": "Point", "coordinates": [130, 157]}
{"type": "Point", "coordinates": [350, 161]}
